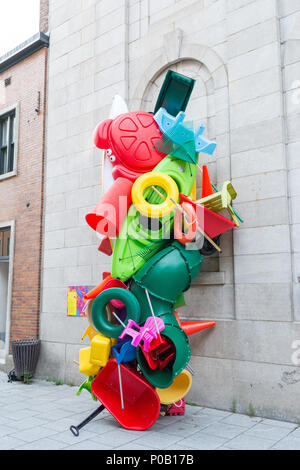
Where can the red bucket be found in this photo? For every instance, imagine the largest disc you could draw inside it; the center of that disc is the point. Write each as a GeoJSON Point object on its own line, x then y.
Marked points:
{"type": "Point", "coordinates": [141, 402]}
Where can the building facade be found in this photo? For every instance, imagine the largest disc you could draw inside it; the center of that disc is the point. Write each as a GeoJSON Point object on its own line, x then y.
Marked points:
{"type": "Point", "coordinates": [245, 56]}
{"type": "Point", "coordinates": [22, 131]}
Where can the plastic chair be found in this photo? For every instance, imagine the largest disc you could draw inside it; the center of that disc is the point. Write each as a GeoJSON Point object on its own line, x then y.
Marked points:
{"type": "Point", "coordinates": [145, 333]}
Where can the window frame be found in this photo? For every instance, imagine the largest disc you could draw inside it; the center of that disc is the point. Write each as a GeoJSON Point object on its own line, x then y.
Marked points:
{"type": "Point", "coordinates": [8, 111]}
{"type": "Point", "coordinates": [3, 225]}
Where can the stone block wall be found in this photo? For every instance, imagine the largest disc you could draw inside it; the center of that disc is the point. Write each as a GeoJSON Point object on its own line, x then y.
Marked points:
{"type": "Point", "coordinates": [245, 56]}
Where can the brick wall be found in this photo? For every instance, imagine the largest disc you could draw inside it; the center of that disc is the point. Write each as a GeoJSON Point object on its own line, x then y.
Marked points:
{"type": "Point", "coordinates": [44, 12]}
{"type": "Point", "coordinates": [27, 80]}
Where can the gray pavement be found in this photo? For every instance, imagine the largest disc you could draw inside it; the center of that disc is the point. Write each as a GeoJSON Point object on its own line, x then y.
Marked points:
{"type": "Point", "coordinates": [38, 417]}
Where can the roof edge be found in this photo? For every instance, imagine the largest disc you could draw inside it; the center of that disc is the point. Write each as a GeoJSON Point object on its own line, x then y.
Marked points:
{"type": "Point", "coordinates": [26, 49]}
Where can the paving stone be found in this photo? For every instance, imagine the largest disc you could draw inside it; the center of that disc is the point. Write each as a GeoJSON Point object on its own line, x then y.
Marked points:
{"type": "Point", "coordinates": [265, 431]}
{"type": "Point", "coordinates": [5, 430]}
{"type": "Point", "coordinates": [88, 445]}
{"type": "Point", "coordinates": [26, 424]}
{"type": "Point", "coordinates": [8, 443]}
{"type": "Point", "coordinates": [181, 429]}
{"type": "Point", "coordinates": [42, 444]}
{"type": "Point", "coordinates": [203, 441]}
{"type": "Point", "coordinates": [241, 420]}
{"type": "Point", "coordinates": [33, 434]}
{"type": "Point", "coordinates": [244, 442]}
{"type": "Point", "coordinates": [281, 424]}
{"type": "Point", "coordinates": [158, 440]}
{"type": "Point", "coordinates": [116, 438]}
{"type": "Point", "coordinates": [289, 443]}
{"type": "Point", "coordinates": [220, 429]}
{"type": "Point", "coordinates": [68, 438]}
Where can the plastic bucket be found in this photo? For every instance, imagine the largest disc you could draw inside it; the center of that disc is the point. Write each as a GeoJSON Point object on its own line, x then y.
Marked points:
{"type": "Point", "coordinates": [141, 402]}
{"type": "Point", "coordinates": [178, 390]}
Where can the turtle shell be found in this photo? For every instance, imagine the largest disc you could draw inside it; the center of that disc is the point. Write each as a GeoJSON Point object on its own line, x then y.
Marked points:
{"type": "Point", "coordinates": [131, 137]}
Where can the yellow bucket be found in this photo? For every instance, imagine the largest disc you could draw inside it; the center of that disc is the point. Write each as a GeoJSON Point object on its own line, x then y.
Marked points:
{"type": "Point", "coordinates": [178, 390]}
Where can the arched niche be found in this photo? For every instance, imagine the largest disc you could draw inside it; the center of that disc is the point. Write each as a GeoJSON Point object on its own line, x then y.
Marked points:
{"type": "Point", "coordinates": [209, 106]}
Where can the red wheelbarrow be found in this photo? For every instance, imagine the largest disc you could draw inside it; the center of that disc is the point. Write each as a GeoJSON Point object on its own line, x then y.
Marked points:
{"type": "Point", "coordinates": [141, 402]}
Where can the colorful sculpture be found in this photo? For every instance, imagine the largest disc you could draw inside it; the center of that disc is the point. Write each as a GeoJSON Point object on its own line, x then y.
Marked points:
{"type": "Point", "coordinates": [140, 349]}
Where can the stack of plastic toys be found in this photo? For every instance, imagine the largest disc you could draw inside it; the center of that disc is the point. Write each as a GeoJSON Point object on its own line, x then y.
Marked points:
{"type": "Point", "coordinates": [157, 233]}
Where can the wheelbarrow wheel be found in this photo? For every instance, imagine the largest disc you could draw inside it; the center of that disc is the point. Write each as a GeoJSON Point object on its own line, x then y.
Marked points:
{"type": "Point", "coordinates": [208, 249]}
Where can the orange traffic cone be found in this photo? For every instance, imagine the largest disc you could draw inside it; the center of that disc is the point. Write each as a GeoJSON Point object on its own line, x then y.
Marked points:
{"type": "Point", "coordinates": [98, 289]}
{"type": "Point", "coordinates": [207, 188]}
{"type": "Point", "coordinates": [193, 327]}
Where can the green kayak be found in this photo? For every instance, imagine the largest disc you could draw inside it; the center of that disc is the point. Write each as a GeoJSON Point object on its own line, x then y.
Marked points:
{"type": "Point", "coordinates": [140, 238]}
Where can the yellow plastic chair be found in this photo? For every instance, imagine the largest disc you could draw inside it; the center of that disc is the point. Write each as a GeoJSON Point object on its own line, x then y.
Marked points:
{"type": "Point", "coordinates": [100, 349]}
{"type": "Point", "coordinates": [90, 332]}
{"type": "Point", "coordinates": [221, 200]}
{"type": "Point", "coordinates": [85, 365]}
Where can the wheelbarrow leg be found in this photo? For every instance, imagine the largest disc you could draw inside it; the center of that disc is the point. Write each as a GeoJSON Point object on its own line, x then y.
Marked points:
{"type": "Point", "coordinates": [75, 429]}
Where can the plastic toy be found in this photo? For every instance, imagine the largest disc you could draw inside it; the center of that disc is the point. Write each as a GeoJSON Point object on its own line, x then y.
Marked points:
{"type": "Point", "coordinates": [129, 140]}
{"type": "Point", "coordinates": [146, 333]}
{"type": "Point", "coordinates": [175, 93]}
{"type": "Point", "coordinates": [221, 201]}
{"type": "Point", "coordinates": [141, 402]}
{"type": "Point", "coordinates": [161, 353]}
{"type": "Point", "coordinates": [102, 324]}
{"type": "Point", "coordinates": [185, 238]}
{"type": "Point", "coordinates": [85, 365]}
{"type": "Point", "coordinates": [178, 390]}
{"type": "Point", "coordinates": [118, 107]}
{"type": "Point", "coordinates": [86, 385]}
{"type": "Point", "coordinates": [107, 217]}
{"type": "Point", "coordinates": [214, 224]}
{"type": "Point", "coordinates": [137, 242]}
{"type": "Point", "coordinates": [100, 350]}
{"type": "Point", "coordinates": [106, 246]}
{"type": "Point", "coordinates": [163, 377]}
{"type": "Point", "coordinates": [185, 139]}
{"type": "Point", "coordinates": [150, 218]}
{"type": "Point", "coordinates": [207, 189]}
{"type": "Point", "coordinates": [154, 179]}
{"type": "Point", "coordinates": [176, 409]}
{"type": "Point", "coordinates": [124, 352]}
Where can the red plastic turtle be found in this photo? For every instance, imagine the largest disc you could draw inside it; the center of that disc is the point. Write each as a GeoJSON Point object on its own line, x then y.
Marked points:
{"type": "Point", "coordinates": [129, 143]}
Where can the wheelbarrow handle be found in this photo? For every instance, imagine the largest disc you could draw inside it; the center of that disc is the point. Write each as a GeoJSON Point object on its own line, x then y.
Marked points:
{"type": "Point", "coordinates": [75, 429]}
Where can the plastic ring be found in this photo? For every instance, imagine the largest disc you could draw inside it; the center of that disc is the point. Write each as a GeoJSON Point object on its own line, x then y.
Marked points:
{"type": "Point", "coordinates": [154, 211]}
{"type": "Point", "coordinates": [190, 235]}
{"type": "Point", "coordinates": [102, 324]}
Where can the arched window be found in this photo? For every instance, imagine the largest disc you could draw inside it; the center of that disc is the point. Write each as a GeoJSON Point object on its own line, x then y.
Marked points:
{"type": "Point", "coordinates": [200, 110]}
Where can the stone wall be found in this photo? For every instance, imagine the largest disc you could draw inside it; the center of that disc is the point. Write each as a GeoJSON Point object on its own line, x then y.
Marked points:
{"type": "Point", "coordinates": [245, 55]}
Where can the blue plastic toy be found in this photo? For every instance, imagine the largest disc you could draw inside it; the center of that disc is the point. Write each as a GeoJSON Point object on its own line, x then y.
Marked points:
{"type": "Point", "coordinates": [124, 352]}
{"type": "Point", "coordinates": [174, 130]}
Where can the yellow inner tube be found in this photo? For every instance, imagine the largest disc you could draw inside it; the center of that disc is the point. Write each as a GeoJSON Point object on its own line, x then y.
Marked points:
{"type": "Point", "coordinates": [154, 211]}
{"type": "Point", "coordinates": [178, 390]}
